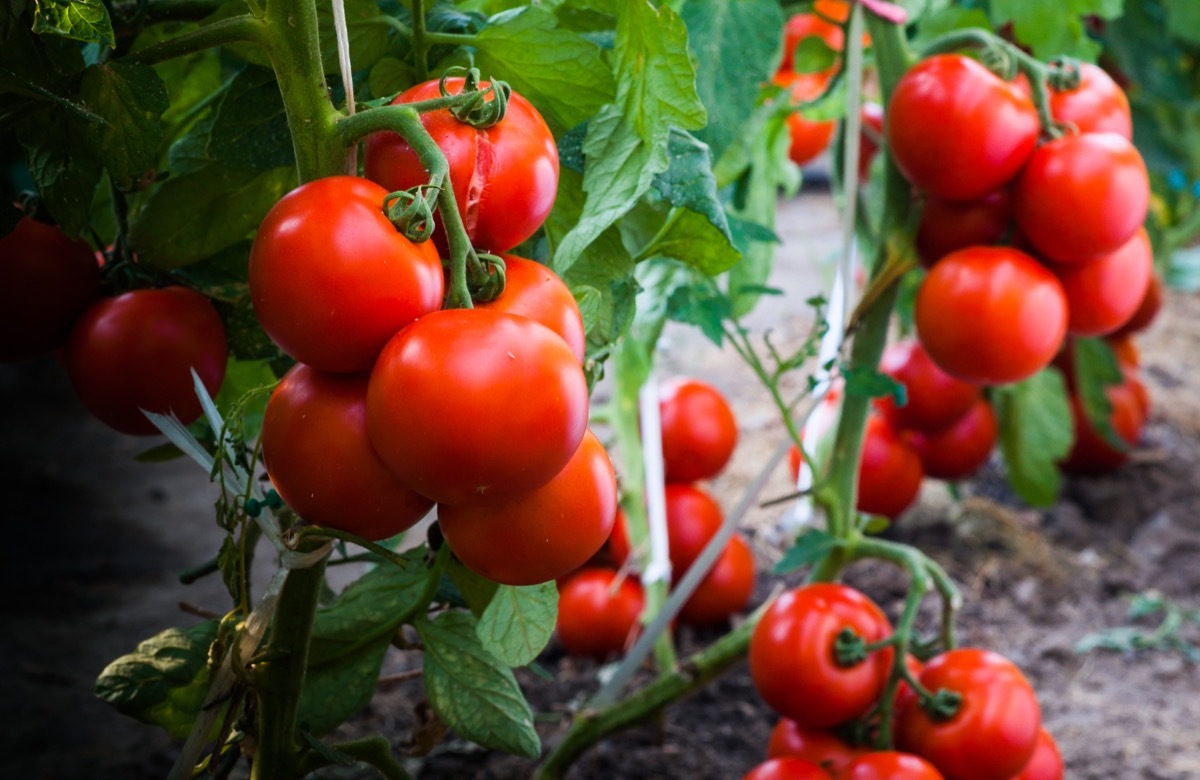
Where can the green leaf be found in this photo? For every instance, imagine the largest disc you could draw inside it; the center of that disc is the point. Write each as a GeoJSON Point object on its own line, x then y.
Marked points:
{"type": "Point", "coordinates": [813, 55]}
{"type": "Point", "coordinates": [518, 622]}
{"type": "Point", "coordinates": [196, 215]}
{"type": "Point", "coordinates": [477, 591]}
{"type": "Point", "coordinates": [472, 690]}
{"type": "Point", "coordinates": [246, 378]}
{"type": "Point", "coordinates": [189, 80]}
{"type": "Point", "coordinates": [250, 129]}
{"type": "Point", "coordinates": [811, 546]}
{"type": "Point", "coordinates": [229, 561]}
{"type": "Point", "coordinates": [64, 167]}
{"type": "Point", "coordinates": [701, 305]}
{"type": "Point", "coordinates": [1035, 433]}
{"type": "Point", "coordinates": [389, 76]}
{"type": "Point", "coordinates": [947, 20]}
{"type": "Point", "coordinates": [1096, 369]}
{"type": "Point", "coordinates": [1053, 29]}
{"type": "Point", "coordinates": [869, 383]}
{"type": "Point", "coordinates": [589, 300]}
{"type": "Point", "coordinates": [691, 238]}
{"type": "Point", "coordinates": [164, 681]}
{"type": "Point", "coordinates": [367, 34]}
{"type": "Point", "coordinates": [1183, 19]}
{"type": "Point", "coordinates": [559, 71]}
{"type": "Point", "coordinates": [131, 99]}
{"type": "Point", "coordinates": [689, 182]}
{"type": "Point", "coordinates": [83, 20]}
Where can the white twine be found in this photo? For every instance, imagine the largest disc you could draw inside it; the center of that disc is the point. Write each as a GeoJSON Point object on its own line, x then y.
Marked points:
{"type": "Point", "coordinates": [658, 569]}
{"type": "Point", "coordinates": [343, 47]}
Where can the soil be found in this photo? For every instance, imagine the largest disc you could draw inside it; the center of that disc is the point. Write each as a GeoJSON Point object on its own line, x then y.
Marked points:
{"type": "Point", "coordinates": [95, 541]}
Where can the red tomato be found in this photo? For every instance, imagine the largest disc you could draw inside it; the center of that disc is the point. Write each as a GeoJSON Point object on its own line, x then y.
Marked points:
{"type": "Point", "coordinates": [693, 518]}
{"type": "Point", "coordinates": [469, 405]}
{"type": "Point", "coordinates": [316, 450]}
{"type": "Point", "coordinates": [1047, 762]}
{"type": "Point", "coordinates": [889, 474]}
{"type": "Point", "coordinates": [947, 226]}
{"type": "Point", "coordinates": [597, 614]}
{"type": "Point", "coordinates": [792, 658]}
{"type": "Point", "coordinates": [935, 400]}
{"type": "Point", "coordinates": [820, 747]}
{"type": "Point", "coordinates": [888, 765]}
{"type": "Point", "coordinates": [332, 279]}
{"type": "Point", "coordinates": [618, 540]}
{"type": "Point", "coordinates": [1104, 293]}
{"type": "Point", "coordinates": [725, 589]}
{"type": "Point", "coordinates": [990, 315]}
{"type": "Point", "coordinates": [801, 26]}
{"type": "Point", "coordinates": [959, 451]}
{"type": "Point", "coordinates": [1147, 310]}
{"type": "Point", "coordinates": [1097, 105]}
{"type": "Point", "coordinates": [48, 281]}
{"type": "Point", "coordinates": [699, 431]}
{"type": "Point", "coordinates": [994, 731]}
{"type": "Point", "coordinates": [956, 130]}
{"type": "Point", "coordinates": [532, 290]}
{"type": "Point", "coordinates": [809, 137]}
{"type": "Point", "coordinates": [787, 769]}
{"type": "Point", "coordinates": [1092, 454]}
{"type": "Point", "coordinates": [504, 177]}
{"type": "Point", "coordinates": [871, 116]}
{"type": "Point", "coordinates": [1125, 350]}
{"type": "Point", "coordinates": [542, 534]}
{"type": "Point", "coordinates": [137, 351]}
{"type": "Point", "coordinates": [1081, 196]}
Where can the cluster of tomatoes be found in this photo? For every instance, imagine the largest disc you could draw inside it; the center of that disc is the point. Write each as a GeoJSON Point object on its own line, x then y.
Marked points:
{"type": "Point", "coordinates": [124, 353]}
{"type": "Point", "coordinates": [819, 657]}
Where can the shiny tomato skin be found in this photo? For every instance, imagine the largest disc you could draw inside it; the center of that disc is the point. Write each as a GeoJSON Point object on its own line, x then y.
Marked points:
{"type": "Point", "coordinates": [543, 534]}
{"type": "Point", "coordinates": [934, 399]}
{"type": "Point", "coordinates": [995, 730]}
{"type": "Point", "coordinates": [1047, 762]}
{"type": "Point", "coordinates": [137, 351]}
{"type": "Point", "coordinates": [1147, 310]}
{"type": "Point", "coordinates": [956, 130]}
{"type": "Point", "coordinates": [820, 747]}
{"type": "Point", "coordinates": [504, 177]}
{"type": "Point", "coordinates": [809, 137]}
{"type": "Point", "coordinates": [471, 405]}
{"type": "Point", "coordinates": [532, 290]}
{"type": "Point", "coordinates": [316, 450]}
{"type": "Point", "coordinates": [618, 540]}
{"type": "Point", "coordinates": [792, 659]}
{"type": "Point", "coordinates": [699, 431]}
{"type": "Point", "coordinates": [947, 225]}
{"type": "Point", "coordinates": [725, 589]}
{"type": "Point", "coordinates": [332, 280]}
{"type": "Point", "coordinates": [597, 617]}
{"type": "Point", "coordinates": [787, 768]}
{"type": "Point", "coordinates": [693, 518]}
{"type": "Point", "coordinates": [1081, 196]}
{"type": "Point", "coordinates": [46, 281]}
{"type": "Point", "coordinates": [1097, 105]}
{"type": "Point", "coordinates": [1103, 294]}
{"type": "Point", "coordinates": [1090, 452]}
{"type": "Point", "coordinates": [1016, 308]}
{"type": "Point", "coordinates": [959, 451]}
{"type": "Point", "coordinates": [890, 473]}
{"type": "Point", "coordinates": [890, 765]}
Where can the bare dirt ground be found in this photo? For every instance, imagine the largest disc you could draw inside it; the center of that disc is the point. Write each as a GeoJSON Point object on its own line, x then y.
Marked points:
{"type": "Point", "coordinates": [94, 543]}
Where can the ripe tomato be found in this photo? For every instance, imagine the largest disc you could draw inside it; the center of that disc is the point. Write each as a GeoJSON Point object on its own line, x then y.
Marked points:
{"type": "Point", "coordinates": [316, 450]}
{"type": "Point", "coordinates": [725, 589]}
{"type": "Point", "coordinates": [994, 731]}
{"type": "Point", "coordinates": [956, 130]}
{"type": "Point", "coordinates": [532, 290]}
{"type": "Point", "coordinates": [48, 281]}
{"type": "Point", "coordinates": [597, 615]}
{"type": "Point", "coordinates": [693, 518]}
{"type": "Point", "coordinates": [947, 226]}
{"type": "Point", "coordinates": [935, 400]}
{"type": "Point", "coordinates": [469, 404]}
{"type": "Point", "coordinates": [959, 451]}
{"type": "Point", "coordinates": [1047, 762]}
{"type": "Point", "coordinates": [1147, 310]}
{"type": "Point", "coordinates": [504, 177]}
{"type": "Point", "coordinates": [788, 768]}
{"type": "Point", "coordinates": [1104, 293]}
{"type": "Point", "coordinates": [870, 135]}
{"type": "Point", "coordinates": [618, 540]}
{"type": "Point", "coordinates": [1091, 453]}
{"type": "Point", "coordinates": [1081, 196]}
{"type": "Point", "coordinates": [809, 137]}
{"type": "Point", "coordinates": [1125, 350]}
{"type": "Point", "coordinates": [1097, 105]}
{"type": "Point", "coordinates": [889, 765]}
{"type": "Point", "coordinates": [332, 279]}
{"type": "Point", "coordinates": [889, 474]}
{"type": "Point", "coordinates": [137, 351]}
{"type": "Point", "coordinates": [801, 26]}
{"type": "Point", "coordinates": [543, 534]}
{"type": "Point", "coordinates": [699, 431]}
{"type": "Point", "coordinates": [1015, 306]}
{"type": "Point", "coordinates": [823, 748]}
{"type": "Point", "coordinates": [792, 659]}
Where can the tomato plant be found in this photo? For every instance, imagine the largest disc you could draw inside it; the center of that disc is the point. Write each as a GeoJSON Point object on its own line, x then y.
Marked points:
{"type": "Point", "coordinates": [1090, 452]}
{"type": "Point", "coordinates": [961, 449]}
{"type": "Point", "coordinates": [1046, 763]}
{"type": "Point", "coordinates": [1147, 309]}
{"type": "Point", "coordinates": [804, 25]}
{"type": "Point", "coordinates": [598, 611]}
{"type": "Point", "coordinates": [889, 474]}
{"type": "Point", "coordinates": [693, 518]}
{"type": "Point", "coordinates": [809, 137]}
{"type": "Point", "coordinates": [725, 589]}
{"type": "Point", "coordinates": [1104, 293]}
{"type": "Point", "coordinates": [532, 290]}
{"type": "Point", "coordinates": [1096, 105]}
{"type": "Point", "coordinates": [787, 769]}
{"type": "Point", "coordinates": [699, 431]}
{"type": "Point", "coordinates": [934, 400]}
{"type": "Point", "coordinates": [889, 765]}
{"type": "Point", "coordinates": [949, 225]}
{"type": "Point", "coordinates": [823, 748]}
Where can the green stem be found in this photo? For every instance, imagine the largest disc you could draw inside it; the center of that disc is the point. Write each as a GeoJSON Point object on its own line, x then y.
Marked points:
{"type": "Point", "coordinates": [420, 40]}
{"type": "Point", "coordinates": [374, 750]}
{"type": "Point", "coordinates": [322, 532]}
{"type": "Point", "coordinates": [235, 29]}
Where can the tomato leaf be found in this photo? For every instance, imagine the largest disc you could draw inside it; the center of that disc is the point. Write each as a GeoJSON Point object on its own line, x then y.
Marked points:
{"type": "Point", "coordinates": [701, 305]}
{"type": "Point", "coordinates": [83, 20]}
{"type": "Point", "coordinates": [1183, 19]}
{"type": "Point", "coordinates": [813, 55]}
{"type": "Point", "coordinates": [868, 383]}
{"type": "Point", "coordinates": [811, 546]}
{"type": "Point", "coordinates": [389, 76]}
{"type": "Point", "coordinates": [1035, 433]}
{"type": "Point", "coordinates": [64, 168]}
{"type": "Point", "coordinates": [472, 690]}
{"type": "Point", "coordinates": [518, 622]}
{"type": "Point", "coordinates": [250, 129]}
{"type": "Point", "coordinates": [131, 100]}
{"type": "Point", "coordinates": [1053, 29]}
{"type": "Point", "coordinates": [475, 590]}
{"type": "Point", "coordinates": [367, 33]}
{"type": "Point", "coordinates": [1096, 369]}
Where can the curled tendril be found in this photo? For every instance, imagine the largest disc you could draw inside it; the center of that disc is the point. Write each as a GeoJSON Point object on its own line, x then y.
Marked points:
{"type": "Point", "coordinates": [491, 286]}
{"type": "Point", "coordinates": [477, 111]}
{"type": "Point", "coordinates": [999, 60]}
{"type": "Point", "coordinates": [1065, 74]}
{"type": "Point", "coordinates": [411, 211]}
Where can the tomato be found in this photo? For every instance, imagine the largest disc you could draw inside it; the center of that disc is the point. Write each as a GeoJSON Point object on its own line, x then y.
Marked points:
{"type": "Point", "coordinates": [792, 658]}
{"type": "Point", "coordinates": [889, 474]}
{"type": "Point", "coordinates": [934, 399]}
{"type": "Point", "coordinates": [618, 539]}
{"type": "Point", "coordinates": [48, 281]}
{"type": "Point", "coordinates": [809, 137]}
{"type": "Point", "coordinates": [1081, 196]}
{"type": "Point", "coordinates": [693, 518]}
{"type": "Point", "coordinates": [532, 290]}
{"type": "Point", "coordinates": [504, 177]}
{"type": "Point", "coordinates": [787, 769]}
{"type": "Point", "coordinates": [1091, 453]}
{"type": "Point", "coordinates": [870, 135]}
{"type": "Point", "coordinates": [598, 613]}
{"type": "Point", "coordinates": [320, 460]}
{"type": "Point", "coordinates": [956, 130]}
{"type": "Point", "coordinates": [889, 765]}
{"type": "Point", "coordinates": [542, 534]}
{"type": "Point", "coordinates": [801, 26]}
{"type": "Point", "coordinates": [137, 351]}
{"type": "Point", "coordinates": [332, 279]}
{"type": "Point", "coordinates": [1147, 310]}
{"type": "Point", "coordinates": [994, 731]}
{"type": "Point", "coordinates": [959, 451]}
{"type": "Point", "coordinates": [1104, 293]}
{"type": "Point", "coordinates": [823, 748]}
{"type": "Point", "coordinates": [469, 405]}
{"type": "Point", "coordinates": [1015, 307]}
{"type": "Point", "coordinates": [1097, 105]}
{"type": "Point", "coordinates": [725, 589]}
{"type": "Point", "coordinates": [699, 431]}
{"type": "Point", "coordinates": [1125, 351]}
{"type": "Point", "coordinates": [947, 225]}
{"type": "Point", "coordinates": [1047, 762]}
